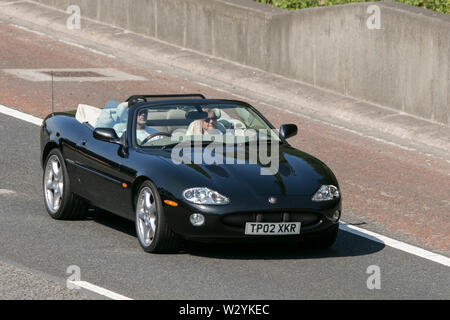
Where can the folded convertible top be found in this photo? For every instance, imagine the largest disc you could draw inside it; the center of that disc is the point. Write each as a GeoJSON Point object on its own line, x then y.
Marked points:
{"type": "Point", "coordinates": [146, 97]}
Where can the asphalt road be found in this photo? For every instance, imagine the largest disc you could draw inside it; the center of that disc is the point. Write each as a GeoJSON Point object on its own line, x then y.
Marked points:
{"type": "Point", "coordinates": [108, 254]}
{"type": "Point", "coordinates": [387, 189]}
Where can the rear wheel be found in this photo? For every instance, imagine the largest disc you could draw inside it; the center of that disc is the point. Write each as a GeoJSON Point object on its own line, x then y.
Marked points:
{"type": "Point", "coordinates": [152, 230]}
{"type": "Point", "coordinates": [59, 201]}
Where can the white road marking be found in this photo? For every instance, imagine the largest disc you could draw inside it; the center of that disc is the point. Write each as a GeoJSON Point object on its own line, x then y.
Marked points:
{"type": "Point", "coordinates": [7, 192]}
{"type": "Point", "coordinates": [28, 30]}
{"type": "Point", "coordinates": [63, 41]}
{"type": "Point", "coordinates": [99, 290]}
{"type": "Point", "coordinates": [20, 115]}
{"type": "Point", "coordinates": [87, 48]}
{"type": "Point", "coordinates": [105, 74]}
{"type": "Point", "coordinates": [396, 244]}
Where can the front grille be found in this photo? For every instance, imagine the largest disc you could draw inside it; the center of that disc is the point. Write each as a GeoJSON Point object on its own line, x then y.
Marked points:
{"type": "Point", "coordinates": [239, 219]}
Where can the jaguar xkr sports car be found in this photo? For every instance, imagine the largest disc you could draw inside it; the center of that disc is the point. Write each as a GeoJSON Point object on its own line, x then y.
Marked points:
{"type": "Point", "coordinates": [185, 167]}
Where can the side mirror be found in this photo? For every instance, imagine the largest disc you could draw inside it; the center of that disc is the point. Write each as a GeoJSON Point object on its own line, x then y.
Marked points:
{"type": "Point", "coordinates": [288, 130]}
{"type": "Point", "coordinates": [106, 134]}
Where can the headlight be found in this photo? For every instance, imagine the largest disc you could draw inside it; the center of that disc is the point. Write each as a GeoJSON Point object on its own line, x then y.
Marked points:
{"type": "Point", "coordinates": [326, 193]}
{"type": "Point", "coordinates": [204, 196]}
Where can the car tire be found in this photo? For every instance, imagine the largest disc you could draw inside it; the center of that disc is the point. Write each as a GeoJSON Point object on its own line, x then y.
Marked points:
{"type": "Point", "coordinates": [324, 241]}
{"type": "Point", "coordinates": [56, 190]}
{"type": "Point", "coordinates": [153, 232]}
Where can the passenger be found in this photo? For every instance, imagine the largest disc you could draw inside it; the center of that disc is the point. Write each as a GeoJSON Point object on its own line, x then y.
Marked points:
{"type": "Point", "coordinates": [110, 114]}
{"type": "Point", "coordinates": [209, 125]}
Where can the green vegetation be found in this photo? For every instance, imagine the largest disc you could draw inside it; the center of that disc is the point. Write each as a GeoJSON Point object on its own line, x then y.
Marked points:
{"type": "Point", "coordinates": [436, 5]}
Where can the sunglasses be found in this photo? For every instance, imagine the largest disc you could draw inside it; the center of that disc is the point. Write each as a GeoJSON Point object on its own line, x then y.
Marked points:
{"type": "Point", "coordinates": [213, 119]}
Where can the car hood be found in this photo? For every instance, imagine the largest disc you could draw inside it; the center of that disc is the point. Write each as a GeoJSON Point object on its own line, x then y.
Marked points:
{"type": "Point", "coordinates": [297, 173]}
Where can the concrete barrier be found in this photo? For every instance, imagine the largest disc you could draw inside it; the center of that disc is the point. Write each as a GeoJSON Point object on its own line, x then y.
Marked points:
{"type": "Point", "coordinates": [405, 64]}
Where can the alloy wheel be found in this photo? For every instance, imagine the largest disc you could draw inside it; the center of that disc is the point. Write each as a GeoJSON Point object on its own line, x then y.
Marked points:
{"type": "Point", "coordinates": [146, 216]}
{"type": "Point", "coordinates": [53, 184]}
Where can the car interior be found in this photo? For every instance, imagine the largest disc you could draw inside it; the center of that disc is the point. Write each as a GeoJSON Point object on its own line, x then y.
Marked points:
{"type": "Point", "coordinates": [164, 120]}
{"type": "Point", "coordinates": [181, 118]}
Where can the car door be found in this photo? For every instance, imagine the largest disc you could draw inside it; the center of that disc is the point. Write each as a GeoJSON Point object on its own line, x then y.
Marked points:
{"type": "Point", "coordinates": [99, 173]}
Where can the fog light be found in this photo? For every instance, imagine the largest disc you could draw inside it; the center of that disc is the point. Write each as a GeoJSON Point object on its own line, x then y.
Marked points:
{"type": "Point", "coordinates": [197, 219]}
{"type": "Point", "coordinates": [336, 215]}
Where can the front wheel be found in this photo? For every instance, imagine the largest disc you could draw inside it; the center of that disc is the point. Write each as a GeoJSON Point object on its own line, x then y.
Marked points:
{"type": "Point", "coordinates": [153, 233]}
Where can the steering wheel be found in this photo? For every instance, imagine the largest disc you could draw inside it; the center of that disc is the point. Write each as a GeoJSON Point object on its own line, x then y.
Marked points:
{"type": "Point", "coordinates": [154, 135]}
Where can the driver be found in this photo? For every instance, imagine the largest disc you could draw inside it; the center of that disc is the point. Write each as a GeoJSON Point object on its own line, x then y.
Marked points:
{"type": "Point", "coordinates": [142, 131]}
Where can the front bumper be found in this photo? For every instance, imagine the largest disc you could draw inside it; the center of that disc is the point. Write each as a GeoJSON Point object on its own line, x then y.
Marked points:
{"type": "Point", "coordinates": [227, 223]}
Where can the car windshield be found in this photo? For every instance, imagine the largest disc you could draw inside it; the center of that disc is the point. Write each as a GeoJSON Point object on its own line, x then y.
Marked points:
{"type": "Point", "coordinates": [205, 122]}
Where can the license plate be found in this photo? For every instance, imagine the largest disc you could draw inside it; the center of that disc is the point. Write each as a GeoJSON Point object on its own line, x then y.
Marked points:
{"type": "Point", "coordinates": [272, 228]}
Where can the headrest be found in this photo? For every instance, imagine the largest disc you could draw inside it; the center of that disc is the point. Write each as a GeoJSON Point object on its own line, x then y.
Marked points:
{"type": "Point", "coordinates": [176, 114]}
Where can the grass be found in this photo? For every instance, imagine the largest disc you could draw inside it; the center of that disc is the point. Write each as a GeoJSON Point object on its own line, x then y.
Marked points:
{"type": "Point", "coordinates": [442, 6]}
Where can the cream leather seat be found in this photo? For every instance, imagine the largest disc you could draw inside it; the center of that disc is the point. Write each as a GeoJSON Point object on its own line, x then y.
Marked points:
{"type": "Point", "coordinates": [176, 114]}
{"type": "Point", "coordinates": [89, 114]}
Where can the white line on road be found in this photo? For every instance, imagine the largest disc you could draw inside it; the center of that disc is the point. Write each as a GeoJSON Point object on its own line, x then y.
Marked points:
{"type": "Point", "coordinates": [28, 30]}
{"type": "Point", "coordinates": [99, 290]}
{"type": "Point", "coordinates": [343, 226]}
{"type": "Point", "coordinates": [87, 48]}
{"type": "Point", "coordinates": [64, 41]}
{"type": "Point", "coordinates": [7, 192]}
{"type": "Point", "coordinates": [395, 244]}
{"type": "Point", "coordinates": [20, 115]}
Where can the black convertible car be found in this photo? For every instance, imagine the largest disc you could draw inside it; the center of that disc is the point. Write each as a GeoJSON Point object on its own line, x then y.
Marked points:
{"type": "Point", "coordinates": [186, 167]}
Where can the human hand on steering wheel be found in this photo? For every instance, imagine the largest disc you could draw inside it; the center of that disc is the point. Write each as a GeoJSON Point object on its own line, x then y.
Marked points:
{"type": "Point", "coordinates": [150, 136]}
